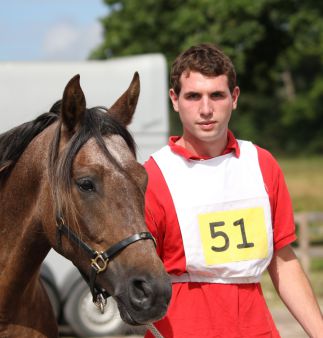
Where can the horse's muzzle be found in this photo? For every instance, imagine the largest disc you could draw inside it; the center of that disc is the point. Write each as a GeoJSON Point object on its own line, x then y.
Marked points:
{"type": "Point", "coordinates": [145, 301]}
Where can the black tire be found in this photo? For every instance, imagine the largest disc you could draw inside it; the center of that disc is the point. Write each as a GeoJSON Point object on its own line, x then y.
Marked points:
{"type": "Point", "coordinates": [84, 317]}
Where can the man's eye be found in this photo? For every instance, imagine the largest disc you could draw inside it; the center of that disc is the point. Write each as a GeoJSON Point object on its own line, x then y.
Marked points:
{"type": "Point", "coordinates": [86, 185]}
{"type": "Point", "coordinates": [192, 96]}
{"type": "Point", "coordinates": [217, 95]}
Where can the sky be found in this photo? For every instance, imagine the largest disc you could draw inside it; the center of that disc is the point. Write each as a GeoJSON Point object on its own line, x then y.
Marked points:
{"type": "Point", "coordinates": [50, 30]}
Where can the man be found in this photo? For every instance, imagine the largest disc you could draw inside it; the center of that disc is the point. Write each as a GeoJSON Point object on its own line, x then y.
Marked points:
{"type": "Point", "coordinates": [221, 214]}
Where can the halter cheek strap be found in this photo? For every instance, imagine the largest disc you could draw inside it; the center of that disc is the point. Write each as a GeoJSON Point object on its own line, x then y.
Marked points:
{"type": "Point", "coordinates": [98, 260]}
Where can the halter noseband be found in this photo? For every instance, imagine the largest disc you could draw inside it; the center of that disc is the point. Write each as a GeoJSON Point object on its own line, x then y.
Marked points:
{"type": "Point", "coordinates": [99, 260]}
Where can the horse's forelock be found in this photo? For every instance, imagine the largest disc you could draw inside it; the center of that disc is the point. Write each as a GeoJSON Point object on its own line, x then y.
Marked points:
{"type": "Point", "coordinates": [97, 124]}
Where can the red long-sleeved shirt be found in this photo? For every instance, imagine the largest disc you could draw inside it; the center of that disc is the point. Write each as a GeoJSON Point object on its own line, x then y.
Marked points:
{"type": "Point", "coordinates": [214, 310]}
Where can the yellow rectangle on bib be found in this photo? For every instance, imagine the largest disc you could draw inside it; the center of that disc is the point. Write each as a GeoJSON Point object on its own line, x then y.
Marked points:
{"type": "Point", "coordinates": [233, 235]}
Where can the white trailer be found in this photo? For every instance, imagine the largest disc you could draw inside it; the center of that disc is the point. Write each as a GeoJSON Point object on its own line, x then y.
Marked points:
{"type": "Point", "coordinates": [28, 89]}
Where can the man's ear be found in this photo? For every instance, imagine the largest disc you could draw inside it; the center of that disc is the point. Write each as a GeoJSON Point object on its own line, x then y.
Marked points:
{"type": "Point", "coordinates": [235, 95]}
{"type": "Point", "coordinates": [174, 98]}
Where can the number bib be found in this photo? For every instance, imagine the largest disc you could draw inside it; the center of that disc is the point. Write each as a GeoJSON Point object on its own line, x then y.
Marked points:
{"type": "Point", "coordinates": [224, 215]}
{"type": "Point", "coordinates": [231, 236]}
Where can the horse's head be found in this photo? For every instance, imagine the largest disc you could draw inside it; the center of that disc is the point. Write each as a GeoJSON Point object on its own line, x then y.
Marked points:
{"type": "Point", "coordinates": [98, 188]}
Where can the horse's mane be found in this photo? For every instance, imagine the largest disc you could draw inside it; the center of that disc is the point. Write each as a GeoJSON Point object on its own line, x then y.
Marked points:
{"type": "Point", "coordinates": [14, 141]}
{"type": "Point", "coordinates": [97, 123]}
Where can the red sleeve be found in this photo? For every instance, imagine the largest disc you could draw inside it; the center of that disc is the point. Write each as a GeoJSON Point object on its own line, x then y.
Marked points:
{"type": "Point", "coordinates": [162, 222]}
{"type": "Point", "coordinates": [280, 201]}
{"type": "Point", "coordinates": [154, 213]}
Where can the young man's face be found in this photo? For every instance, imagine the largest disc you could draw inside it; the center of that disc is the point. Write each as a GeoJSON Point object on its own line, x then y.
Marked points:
{"type": "Point", "coordinates": [204, 105]}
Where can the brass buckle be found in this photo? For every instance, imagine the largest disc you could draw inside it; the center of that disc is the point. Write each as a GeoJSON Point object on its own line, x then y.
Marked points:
{"type": "Point", "coordinates": [99, 263]}
{"type": "Point", "coordinates": [60, 222]}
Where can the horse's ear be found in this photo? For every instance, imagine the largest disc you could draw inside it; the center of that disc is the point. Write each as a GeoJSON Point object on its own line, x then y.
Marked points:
{"type": "Point", "coordinates": [73, 104]}
{"type": "Point", "coordinates": [123, 109]}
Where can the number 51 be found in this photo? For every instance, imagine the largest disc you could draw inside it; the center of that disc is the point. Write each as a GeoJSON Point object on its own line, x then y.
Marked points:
{"type": "Point", "coordinates": [215, 234]}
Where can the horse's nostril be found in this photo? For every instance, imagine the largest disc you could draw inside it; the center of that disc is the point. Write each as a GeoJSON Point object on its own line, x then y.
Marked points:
{"type": "Point", "coordinates": [141, 295]}
{"type": "Point", "coordinates": [141, 288]}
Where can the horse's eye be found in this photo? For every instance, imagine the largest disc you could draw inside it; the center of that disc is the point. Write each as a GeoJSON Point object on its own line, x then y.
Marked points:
{"type": "Point", "coordinates": [86, 185]}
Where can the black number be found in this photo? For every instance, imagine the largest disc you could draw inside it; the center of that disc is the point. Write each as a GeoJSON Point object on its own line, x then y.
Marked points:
{"type": "Point", "coordinates": [245, 243]}
{"type": "Point", "coordinates": [215, 234]}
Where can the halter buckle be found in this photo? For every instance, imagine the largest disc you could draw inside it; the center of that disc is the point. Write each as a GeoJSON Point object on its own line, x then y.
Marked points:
{"type": "Point", "coordinates": [99, 263]}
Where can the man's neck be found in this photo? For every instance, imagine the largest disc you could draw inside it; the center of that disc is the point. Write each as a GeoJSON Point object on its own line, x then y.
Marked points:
{"type": "Point", "coordinates": [203, 149]}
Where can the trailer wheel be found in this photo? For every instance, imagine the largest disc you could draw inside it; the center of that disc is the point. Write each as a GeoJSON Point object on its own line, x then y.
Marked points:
{"type": "Point", "coordinates": [84, 317]}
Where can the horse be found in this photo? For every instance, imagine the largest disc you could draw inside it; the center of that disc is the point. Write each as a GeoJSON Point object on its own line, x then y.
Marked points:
{"type": "Point", "coordinates": [69, 180]}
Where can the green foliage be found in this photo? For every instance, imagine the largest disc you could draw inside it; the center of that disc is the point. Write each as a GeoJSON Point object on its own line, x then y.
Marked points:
{"type": "Point", "coordinates": [276, 45]}
{"type": "Point", "coordinates": [304, 178]}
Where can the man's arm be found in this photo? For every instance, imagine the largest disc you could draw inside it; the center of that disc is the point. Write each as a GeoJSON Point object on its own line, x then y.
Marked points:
{"type": "Point", "coordinates": [295, 290]}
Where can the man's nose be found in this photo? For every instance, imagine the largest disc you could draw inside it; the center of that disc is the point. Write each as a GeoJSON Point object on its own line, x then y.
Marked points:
{"type": "Point", "coordinates": [206, 107]}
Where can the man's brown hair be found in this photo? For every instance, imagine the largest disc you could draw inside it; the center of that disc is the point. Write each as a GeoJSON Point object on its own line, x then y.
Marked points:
{"type": "Point", "coordinates": [206, 59]}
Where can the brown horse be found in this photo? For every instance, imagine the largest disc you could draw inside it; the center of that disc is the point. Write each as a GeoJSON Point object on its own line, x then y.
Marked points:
{"type": "Point", "coordinates": [69, 180]}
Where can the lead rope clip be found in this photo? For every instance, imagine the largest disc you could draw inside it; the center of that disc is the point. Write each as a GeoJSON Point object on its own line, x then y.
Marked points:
{"type": "Point", "coordinates": [100, 302]}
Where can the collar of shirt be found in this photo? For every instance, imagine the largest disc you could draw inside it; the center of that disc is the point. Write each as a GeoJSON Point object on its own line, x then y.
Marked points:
{"type": "Point", "coordinates": [232, 146]}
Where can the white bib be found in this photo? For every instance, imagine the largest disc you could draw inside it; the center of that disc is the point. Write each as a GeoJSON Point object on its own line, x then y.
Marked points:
{"type": "Point", "coordinates": [224, 215]}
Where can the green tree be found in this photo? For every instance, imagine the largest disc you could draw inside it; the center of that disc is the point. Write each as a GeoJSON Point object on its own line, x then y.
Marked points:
{"type": "Point", "coordinates": [276, 46]}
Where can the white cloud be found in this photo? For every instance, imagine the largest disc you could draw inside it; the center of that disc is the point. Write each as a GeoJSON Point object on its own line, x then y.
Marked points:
{"type": "Point", "coordinates": [68, 41]}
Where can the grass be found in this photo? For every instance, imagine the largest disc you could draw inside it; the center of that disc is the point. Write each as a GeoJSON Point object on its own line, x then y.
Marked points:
{"type": "Point", "coordinates": [304, 177]}
{"type": "Point", "coordinates": [316, 266]}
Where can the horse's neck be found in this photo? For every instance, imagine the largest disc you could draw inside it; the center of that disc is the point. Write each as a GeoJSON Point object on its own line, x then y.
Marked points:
{"type": "Point", "coordinates": [23, 243]}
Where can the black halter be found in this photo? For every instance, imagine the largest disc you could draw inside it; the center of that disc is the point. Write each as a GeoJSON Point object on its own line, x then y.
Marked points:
{"type": "Point", "coordinates": [98, 260]}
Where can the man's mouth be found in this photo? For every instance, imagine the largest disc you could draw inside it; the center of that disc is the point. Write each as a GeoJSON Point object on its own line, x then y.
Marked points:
{"type": "Point", "coordinates": [207, 125]}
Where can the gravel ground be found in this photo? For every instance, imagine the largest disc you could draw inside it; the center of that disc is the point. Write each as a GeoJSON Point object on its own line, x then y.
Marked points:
{"type": "Point", "coordinates": [288, 327]}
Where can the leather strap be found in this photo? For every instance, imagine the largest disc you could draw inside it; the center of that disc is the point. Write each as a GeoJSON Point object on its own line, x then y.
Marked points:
{"type": "Point", "coordinates": [108, 254]}
{"type": "Point", "coordinates": [62, 229]}
{"type": "Point", "coordinates": [99, 260]}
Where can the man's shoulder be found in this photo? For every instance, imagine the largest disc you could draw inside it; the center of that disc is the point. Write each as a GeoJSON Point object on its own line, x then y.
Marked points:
{"type": "Point", "coordinates": [157, 192]}
{"type": "Point", "coordinates": [153, 171]}
{"type": "Point", "coordinates": [262, 152]}
{"type": "Point", "coordinates": [265, 153]}
{"type": "Point", "coordinates": [268, 163]}
{"type": "Point", "coordinates": [266, 159]}
{"type": "Point", "coordinates": [150, 164]}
